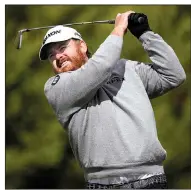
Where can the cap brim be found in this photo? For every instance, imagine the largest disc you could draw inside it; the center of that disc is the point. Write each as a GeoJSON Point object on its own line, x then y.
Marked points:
{"type": "Point", "coordinates": [43, 53]}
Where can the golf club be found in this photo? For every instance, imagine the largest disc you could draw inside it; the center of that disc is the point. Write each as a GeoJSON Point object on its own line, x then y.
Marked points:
{"type": "Point", "coordinates": [20, 32]}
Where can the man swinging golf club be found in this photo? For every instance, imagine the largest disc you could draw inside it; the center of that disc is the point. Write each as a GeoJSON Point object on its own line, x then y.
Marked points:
{"type": "Point", "coordinates": [103, 102]}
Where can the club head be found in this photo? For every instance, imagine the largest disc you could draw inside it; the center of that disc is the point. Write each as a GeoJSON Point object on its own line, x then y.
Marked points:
{"type": "Point", "coordinates": [20, 36]}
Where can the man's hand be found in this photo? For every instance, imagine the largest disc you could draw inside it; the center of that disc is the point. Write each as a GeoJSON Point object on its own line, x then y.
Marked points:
{"type": "Point", "coordinates": [136, 28]}
{"type": "Point", "coordinates": [121, 23]}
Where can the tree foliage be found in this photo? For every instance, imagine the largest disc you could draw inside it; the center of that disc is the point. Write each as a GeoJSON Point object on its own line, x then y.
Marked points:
{"type": "Point", "coordinates": [38, 154]}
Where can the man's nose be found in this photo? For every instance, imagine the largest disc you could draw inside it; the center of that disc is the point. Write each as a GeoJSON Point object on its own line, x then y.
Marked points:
{"type": "Point", "coordinates": [59, 56]}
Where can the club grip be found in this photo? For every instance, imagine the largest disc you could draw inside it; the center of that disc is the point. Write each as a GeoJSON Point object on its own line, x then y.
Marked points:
{"type": "Point", "coordinates": [140, 19]}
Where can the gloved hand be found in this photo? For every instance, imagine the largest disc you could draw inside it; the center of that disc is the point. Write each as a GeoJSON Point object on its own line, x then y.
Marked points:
{"type": "Point", "coordinates": [136, 28]}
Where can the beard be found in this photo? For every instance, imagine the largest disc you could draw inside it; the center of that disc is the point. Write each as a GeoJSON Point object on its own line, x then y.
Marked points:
{"type": "Point", "coordinates": [74, 63]}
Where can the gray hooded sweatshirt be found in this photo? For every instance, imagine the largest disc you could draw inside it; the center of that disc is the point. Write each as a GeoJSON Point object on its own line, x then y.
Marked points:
{"type": "Point", "coordinates": [105, 108]}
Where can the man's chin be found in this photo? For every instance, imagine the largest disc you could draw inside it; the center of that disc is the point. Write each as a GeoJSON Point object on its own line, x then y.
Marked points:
{"type": "Point", "coordinates": [66, 69]}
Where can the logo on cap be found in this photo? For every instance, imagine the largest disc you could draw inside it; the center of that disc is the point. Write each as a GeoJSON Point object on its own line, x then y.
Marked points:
{"type": "Point", "coordinates": [51, 34]}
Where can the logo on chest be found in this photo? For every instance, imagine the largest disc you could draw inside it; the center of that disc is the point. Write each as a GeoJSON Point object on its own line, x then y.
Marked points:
{"type": "Point", "coordinates": [115, 79]}
{"type": "Point", "coordinates": [56, 79]}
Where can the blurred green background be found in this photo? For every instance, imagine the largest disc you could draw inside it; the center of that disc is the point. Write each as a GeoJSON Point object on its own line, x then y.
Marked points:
{"type": "Point", "coordinates": [38, 154]}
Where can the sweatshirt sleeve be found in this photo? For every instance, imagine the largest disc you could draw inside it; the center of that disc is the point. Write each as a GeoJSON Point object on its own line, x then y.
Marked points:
{"type": "Point", "coordinates": [165, 72]}
{"type": "Point", "coordinates": [70, 91]}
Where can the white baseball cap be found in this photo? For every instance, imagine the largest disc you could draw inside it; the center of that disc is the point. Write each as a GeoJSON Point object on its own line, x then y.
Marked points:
{"type": "Point", "coordinates": [57, 34]}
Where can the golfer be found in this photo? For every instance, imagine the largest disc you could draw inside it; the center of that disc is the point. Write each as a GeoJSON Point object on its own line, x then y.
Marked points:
{"type": "Point", "coordinates": [103, 102]}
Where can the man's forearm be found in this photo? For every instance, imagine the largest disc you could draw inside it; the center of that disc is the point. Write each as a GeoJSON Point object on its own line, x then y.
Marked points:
{"type": "Point", "coordinates": [165, 72]}
{"type": "Point", "coordinates": [163, 57]}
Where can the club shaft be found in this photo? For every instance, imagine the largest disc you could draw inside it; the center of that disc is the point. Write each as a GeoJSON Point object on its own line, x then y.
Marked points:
{"type": "Point", "coordinates": [70, 24]}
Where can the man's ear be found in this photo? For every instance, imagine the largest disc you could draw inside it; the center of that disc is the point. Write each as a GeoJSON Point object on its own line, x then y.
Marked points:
{"type": "Point", "coordinates": [83, 46]}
